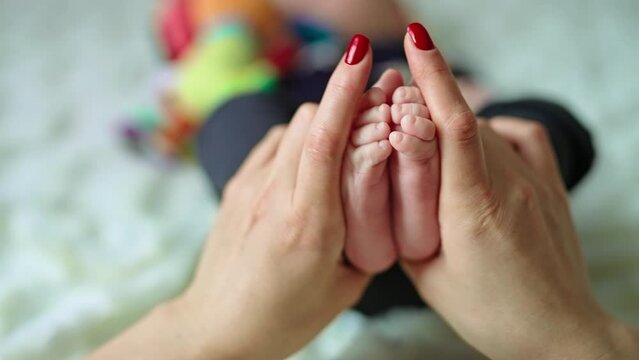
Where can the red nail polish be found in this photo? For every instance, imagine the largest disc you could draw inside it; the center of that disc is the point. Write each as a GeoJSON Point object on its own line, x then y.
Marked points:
{"type": "Point", "coordinates": [420, 36]}
{"type": "Point", "coordinates": [357, 49]}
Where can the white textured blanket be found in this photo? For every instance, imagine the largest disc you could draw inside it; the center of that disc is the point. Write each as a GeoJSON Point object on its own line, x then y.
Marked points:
{"type": "Point", "coordinates": [91, 237]}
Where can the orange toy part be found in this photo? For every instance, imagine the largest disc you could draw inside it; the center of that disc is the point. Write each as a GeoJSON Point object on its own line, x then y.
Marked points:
{"type": "Point", "coordinates": [259, 13]}
{"type": "Point", "coordinates": [174, 136]}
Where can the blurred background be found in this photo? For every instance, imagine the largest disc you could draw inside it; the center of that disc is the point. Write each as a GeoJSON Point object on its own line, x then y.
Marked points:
{"type": "Point", "coordinates": [92, 237]}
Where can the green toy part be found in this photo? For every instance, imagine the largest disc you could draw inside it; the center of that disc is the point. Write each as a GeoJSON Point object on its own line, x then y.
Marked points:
{"type": "Point", "coordinates": [224, 63]}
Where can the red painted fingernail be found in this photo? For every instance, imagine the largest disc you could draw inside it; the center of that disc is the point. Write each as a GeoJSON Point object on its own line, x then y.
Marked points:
{"type": "Point", "coordinates": [357, 49]}
{"type": "Point", "coordinates": [420, 36]}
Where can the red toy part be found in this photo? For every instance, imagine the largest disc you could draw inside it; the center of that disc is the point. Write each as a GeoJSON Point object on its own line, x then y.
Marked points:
{"type": "Point", "coordinates": [282, 54]}
{"type": "Point", "coordinates": [176, 29]}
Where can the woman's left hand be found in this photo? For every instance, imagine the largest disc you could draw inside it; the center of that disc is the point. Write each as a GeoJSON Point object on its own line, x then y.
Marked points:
{"type": "Point", "coordinates": [272, 274]}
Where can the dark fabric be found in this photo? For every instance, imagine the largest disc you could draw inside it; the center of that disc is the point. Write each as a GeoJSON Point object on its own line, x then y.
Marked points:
{"type": "Point", "coordinates": [571, 141]}
{"type": "Point", "coordinates": [232, 131]}
{"type": "Point", "coordinates": [389, 290]}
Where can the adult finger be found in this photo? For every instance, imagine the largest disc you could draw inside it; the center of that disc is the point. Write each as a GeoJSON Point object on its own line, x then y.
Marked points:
{"type": "Point", "coordinates": [430, 279]}
{"type": "Point", "coordinates": [321, 163]}
{"type": "Point", "coordinates": [531, 141]}
{"type": "Point", "coordinates": [289, 152]}
{"type": "Point", "coordinates": [461, 149]}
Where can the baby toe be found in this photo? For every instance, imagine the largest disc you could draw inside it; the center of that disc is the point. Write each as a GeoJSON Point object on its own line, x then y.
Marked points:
{"type": "Point", "coordinates": [413, 147]}
{"type": "Point", "coordinates": [381, 113]}
{"type": "Point", "coordinates": [408, 94]}
{"type": "Point", "coordinates": [419, 127]}
{"type": "Point", "coordinates": [370, 155]}
{"type": "Point", "coordinates": [398, 111]}
{"type": "Point", "coordinates": [370, 133]}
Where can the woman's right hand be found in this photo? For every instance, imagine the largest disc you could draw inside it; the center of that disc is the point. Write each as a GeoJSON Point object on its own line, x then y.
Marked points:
{"type": "Point", "coordinates": [510, 277]}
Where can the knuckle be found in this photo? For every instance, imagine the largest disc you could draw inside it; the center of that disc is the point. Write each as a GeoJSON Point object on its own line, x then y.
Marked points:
{"type": "Point", "coordinates": [438, 69]}
{"type": "Point", "coordinates": [276, 131]}
{"type": "Point", "coordinates": [342, 88]}
{"type": "Point", "coordinates": [488, 213]}
{"type": "Point", "coordinates": [486, 198]}
{"type": "Point", "coordinates": [310, 228]}
{"type": "Point", "coordinates": [232, 188]}
{"type": "Point", "coordinates": [300, 233]}
{"type": "Point", "coordinates": [486, 209]}
{"type": "Point", "coordinates": [262, 204]}
{"type": "Point", "coordinates": [461, 126]}
{"type": "Point", "coordinates": [323, 145]}
{"type": "Point", "coordinates": [537, 132]}
{"type": "Point", "coordinates": [307, 109]}
{"type": "Point", "coordinates": [525, 194]}
{"type": "Point", "coordinates": [294, 232]}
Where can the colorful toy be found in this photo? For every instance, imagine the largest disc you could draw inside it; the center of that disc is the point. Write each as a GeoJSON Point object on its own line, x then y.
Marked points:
{"type": "Point", "coordinates": [259, 13]}
{"type": "Point", "coordinates": [221, 65]}
{"type": "Point", "coordinates": [218, 49]}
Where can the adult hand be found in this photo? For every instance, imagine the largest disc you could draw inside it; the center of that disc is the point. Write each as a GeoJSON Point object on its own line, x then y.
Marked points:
{"type": "Point", "coordinates": [510, 277]}
{"type": "Point", "coordinates": [271, 276]}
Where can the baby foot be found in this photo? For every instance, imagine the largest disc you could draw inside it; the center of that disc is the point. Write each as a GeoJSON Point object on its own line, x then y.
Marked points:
{"type": "Point", "coordinates": [365, 187]}
{"type": "Point", "coordinates": [414, 173]}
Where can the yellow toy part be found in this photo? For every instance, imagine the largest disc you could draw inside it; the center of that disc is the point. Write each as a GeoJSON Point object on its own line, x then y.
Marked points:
{"type": "Point", "coordinates": [222, 65]}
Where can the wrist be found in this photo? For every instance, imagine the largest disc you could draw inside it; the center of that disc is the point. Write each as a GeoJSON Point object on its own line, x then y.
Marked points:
{"type": "Point", "coordinates": [607, 338]}
{"type": "Point", "coordinates": [215, 330]}
{"type": "Point", "coordinates": [204, 333]}
{"type": "Point", "coordinates": [164, 333]}
{"type": "Point", "coordinates": [178, 316]}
